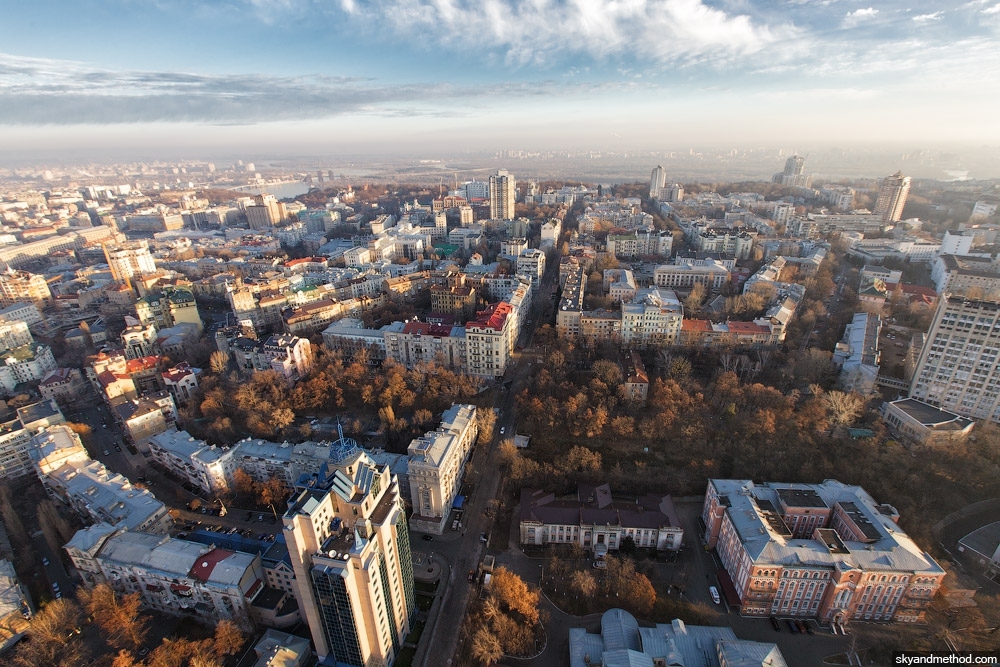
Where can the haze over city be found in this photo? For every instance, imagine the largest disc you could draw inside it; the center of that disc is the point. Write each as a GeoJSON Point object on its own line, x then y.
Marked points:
{"type": "Point", "coordinates": [398, 76]}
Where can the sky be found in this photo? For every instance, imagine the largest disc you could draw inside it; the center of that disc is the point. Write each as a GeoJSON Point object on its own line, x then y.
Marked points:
{"type": "Point", "coordinates": [355, 75]}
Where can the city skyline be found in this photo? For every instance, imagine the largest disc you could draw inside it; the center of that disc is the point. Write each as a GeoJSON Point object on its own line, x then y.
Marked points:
{"type": "Point", "coordinates": [399, 75]}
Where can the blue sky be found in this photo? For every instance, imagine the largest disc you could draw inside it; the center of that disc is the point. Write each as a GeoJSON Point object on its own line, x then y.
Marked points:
{"type": "Point", "coordinates": [498, 73]}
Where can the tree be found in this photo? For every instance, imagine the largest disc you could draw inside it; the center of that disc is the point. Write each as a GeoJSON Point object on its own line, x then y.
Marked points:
{"type": "Point", "coordinates": [486, 647]}
{"type": "Point", "coordinates": [607, 372]}
{"type": "Point", "coordinates": [118, 616]}
{"type": "Point", "coordinates": [511, 591]}
{"type": "Point", "coordinates": [692, 304]}
{"type": "Point", "coordinates": [486, 420]}
{"type": "Point", "coordinates": [228, 638]}
{"type": "Point", "coordinates": [124, 659]}
{"type": "Point", "coordinates": [218, 362]}
{"type": "Point", "coordinates": [54, 526]}
{"type": "Point", "coordinates": [272, 491]}
{"type": "Point", "coordinates": [54, 639]}
{"type": "Point", "coordinates": [243, 483]}
{"type": "Point", "coordinates": [583, 583]}
{"type": "Point", "coordinates": [844, 407]}
{"type": "Point", "coordinates": [627, 545]}
{"type": "Point", "coordinates": [11, 518]}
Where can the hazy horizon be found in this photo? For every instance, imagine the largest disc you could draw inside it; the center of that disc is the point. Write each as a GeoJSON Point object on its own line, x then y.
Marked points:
{"type": "Point", "coordinates": [404, 76]}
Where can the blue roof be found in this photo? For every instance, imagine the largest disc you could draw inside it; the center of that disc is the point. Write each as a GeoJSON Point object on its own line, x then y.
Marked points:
{"type": "Point", "coordinates": [459, 502]}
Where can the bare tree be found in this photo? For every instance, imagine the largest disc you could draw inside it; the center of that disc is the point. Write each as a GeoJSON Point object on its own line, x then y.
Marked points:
{"type": "Point", "coordinates": [843, 407]}
{"type": "Point", "coordinates": [54, 638]}
{"type": "Point", "coordinates": [218, 362]}
{"type": "Point", "coordinates": [486, 647]}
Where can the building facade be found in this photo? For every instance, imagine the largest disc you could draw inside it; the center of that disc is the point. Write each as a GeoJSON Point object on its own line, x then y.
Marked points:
{"type": "Point", "coordinates": [350, 550]}
{"type": "Point", "coordinates": [957, 369]}
{"type": "Point", "coordinates": [825, 551]}
{"type": "Point", "coordinates": [436, 465]}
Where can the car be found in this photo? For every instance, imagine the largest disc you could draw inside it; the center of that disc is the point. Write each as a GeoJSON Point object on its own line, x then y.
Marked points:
{"type": "Point", "coordinates": [503, 429]}
{"type": "Point", "coordinates": [472, 576]}
{"type": "Point", "coordinates": [775, 624]}
{"type": "Point", "coordinates": [45, 561]}
{"type": "Point", "coordinates": [143, 652]}
{"type": "Point", "coordinates": [55, 586]}
{"type": "Point", "coordinates": [107, 453]}
{"type": "Point", "coordinates": [58, 595]}
{"type": "Point", "coordinates": [104, 425]}
{"type": "Point", "coordinates": [791, 626]}
{"type": "Point", "coordinates": [809, 627]}
{"type": "Point", "coordinates": [483, 538]}
{"type": "Point", "coordinates": [714, 592]}
{"type": "Point", "coordinates": [428, 538]}
{"type": "Point", "coordinates": [260, 517]}
{"type": "Point", "coordinates": [600, 565]}
{"type": "Point", "coordinates": [117, 448]}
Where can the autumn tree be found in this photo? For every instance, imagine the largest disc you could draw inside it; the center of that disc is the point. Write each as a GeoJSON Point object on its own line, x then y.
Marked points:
{"type": "Point", "coordinates": [274, 490]}
{"type": "Point", "coordinates": [486, 420]}
{"type": "Point", "coordinates": [54, 640]}
{"type": "Point", "coordinates": [228, 638]}
{"type": "Point", "coordinates": [118, 616]}
{"type": "Point", "coordinates": [512, 593]}
{"type": "Point", "coordinates": [582, 583]}
{"type": "Point", "coordinates": [243, 483]}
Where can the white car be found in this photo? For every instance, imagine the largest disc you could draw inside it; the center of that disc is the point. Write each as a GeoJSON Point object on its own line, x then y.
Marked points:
{"type": "Point", "coordinates": [714, 592]}
{"type": "Point", "coordinates": [503, 429]}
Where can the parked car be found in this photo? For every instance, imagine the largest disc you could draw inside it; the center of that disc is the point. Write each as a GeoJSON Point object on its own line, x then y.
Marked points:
{"type": "Point", "coordinates": [714, 592]}
{"type": "Point", "coordinates": [482, 538]}
{"type": "Point", "coordinates": [107, 453]}
{"type": "Point", "coordinates": [117, 448]}
{"type": "Point", "coordinates": [45, 561]}
{"type": "Point", "coordinates": [600, 564]}
{"type": "Point", "coordinates": [791, 626]}
{"type": "Point", "coordinates": [809, 627]}
{"type": "Point", "coordinates": [248, 517]}
{"type": "Point", "coordinates": [260, 517]}
{"type": "Point", "coordinates": [428, 538]}
{"type": "Point", "coordinates": [775, 624]}
{"type": "Point", "coordinates": [472, 576]}
{"type": "Point", "coordinates": [503, 429]}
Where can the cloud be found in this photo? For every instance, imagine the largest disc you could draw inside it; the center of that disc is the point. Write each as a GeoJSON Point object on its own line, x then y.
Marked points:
{"type": "Point", "coordinates": [533, 32]}
{"type": "Point", "coordinates": [859, 15]}
{"type": "Point", "coordinates": [37, 91]}
{"type": "Point", "coordinates": [995, 9]}
{"type": "Point", "coordinates": [926, 18]}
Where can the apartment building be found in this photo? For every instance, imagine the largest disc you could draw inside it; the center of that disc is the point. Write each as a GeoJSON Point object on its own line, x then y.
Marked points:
{"type": "Point", "coordinates": [531, 263]}
{"type": "Point", "coordinates": [957, 369]}
{"type": "Point", "coordinates": [424, 343]}
{"type": "Point", "coordinates": [653, 317]}
{"type": "Point", "coordinates": [436, 465]}
{"type": "Point", "coordinates": [574, 287]}
{"type": "Point", "coordinates": [23, 287]}
{"type": "Point", "coordinates": [826, 551]}
{"type": "Point", "coordinates": [489, 340]}
{"type": "Point", "coordinates": [641, 242]}
{"type": "Point", "coordinates": [171, 575]}
{"type": "Point", "coordinates": [208, 467]}
{"type": "Point", "coordinates": [349, 546]}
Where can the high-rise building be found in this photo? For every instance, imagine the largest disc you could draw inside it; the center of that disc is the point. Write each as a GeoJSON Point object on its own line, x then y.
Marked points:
{"type": "Point", "coordinates": [795, 166]}
{"type": "Point", "coordinates": [892, 197]}
{"type": "Point", "coordinates": [794, 173]}
{"type": "Point", "coordinates": [129, 261]}
{"type": "Point", "coordinates": [656, 182]}
{"type": "Point", "coordinates": [347, 538]}
{"type": "Point", "coordinates": [957, 369]}
{"type": "Point", "coordinates": [503, 195]}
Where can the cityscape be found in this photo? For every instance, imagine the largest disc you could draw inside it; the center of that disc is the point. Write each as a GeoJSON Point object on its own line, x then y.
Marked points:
{"type": "Point", "coordinates": [533, 333]}
{"type": "Point", "coordinates": [499, 420]}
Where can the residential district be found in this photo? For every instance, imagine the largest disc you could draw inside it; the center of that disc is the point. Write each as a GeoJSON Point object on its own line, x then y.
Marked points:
{"type": "Point", "coordinates": [499, 422]}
